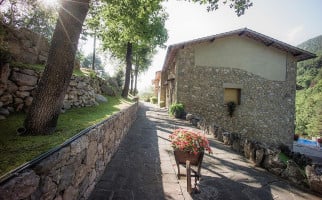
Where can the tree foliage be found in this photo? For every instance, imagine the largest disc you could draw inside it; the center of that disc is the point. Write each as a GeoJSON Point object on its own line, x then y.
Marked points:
{"type": "Point", "coordinates": [126, 23]}
{"type": "Point", "coordinates": [239, 6]}
{"type": "Point", "coordinates": [29, 14]}
{"type": "Point", "coordinates": [308, 100]}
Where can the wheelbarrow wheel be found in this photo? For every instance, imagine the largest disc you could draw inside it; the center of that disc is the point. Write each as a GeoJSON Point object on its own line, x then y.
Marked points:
{"type": "Point", "coordinates": [189, 189]}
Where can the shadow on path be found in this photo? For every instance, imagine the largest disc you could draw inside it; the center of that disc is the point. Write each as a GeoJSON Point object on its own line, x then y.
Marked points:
{"type": "Point", "coordinates": [134, 171]}
{"type": "Point", "coordinates": [144, 168]}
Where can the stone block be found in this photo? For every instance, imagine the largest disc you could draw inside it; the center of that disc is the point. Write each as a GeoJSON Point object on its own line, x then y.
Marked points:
{"type": "Point", "coordinates": [79, 145]}
{"type": "Point", "coordinates": [28, 72]}
{"type": "Point", "coordinates": [67, 175]}
{"type": "Point", "coordinates": [293, 173]}
{"type": "Point", "coordinates": [227, 138]}
{"type": "Point", "coordinates": [18, 100]}
{"type": "Point", "coordinates": [100, 98]}
{"type": "Point", "coordinates": [70, 193]}
{"type": "Point", "coordinates": [314, 177]}
{"type": "Point", "coordinates": [22, 94]}
{"type": "Point", "coordinates": [25, 88]}
{"type": "Point", "coordinates": [6, 99]}
{"type": "Point", "coordinates": [24, 79]}
{"type": "Point", "coordinates": [4, 112]}
{"type": "Point", "coordinates": [4, 73]}
{"type": "Point", "coordinates": [28, 101]}
{"type": "Point", "coordinates": [20, 187]}
{"type": "Point", "coordinates": [48, 188]}
{"type": "Point", "coordinates": [259, 157]}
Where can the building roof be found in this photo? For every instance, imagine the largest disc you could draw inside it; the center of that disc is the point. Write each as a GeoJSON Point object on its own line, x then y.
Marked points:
{"type": "Point", "coordinates": [298, 53]}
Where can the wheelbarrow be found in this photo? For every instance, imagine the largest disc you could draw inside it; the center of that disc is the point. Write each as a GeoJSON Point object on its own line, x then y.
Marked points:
{"type": "Point", "coordinates": [192, 163]}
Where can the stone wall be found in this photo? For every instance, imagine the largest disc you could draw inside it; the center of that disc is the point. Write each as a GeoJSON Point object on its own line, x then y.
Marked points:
{"type": "Point", "coordinates": [17, 88]}
{"type": "Point", "coordinates": [24, 45]}
{"type": "Point", "coordinates": [267, 108]}
{"type": "Point", "coordinates": [72, 171]}
{"type": "Point", "coordinates": [267, 157]}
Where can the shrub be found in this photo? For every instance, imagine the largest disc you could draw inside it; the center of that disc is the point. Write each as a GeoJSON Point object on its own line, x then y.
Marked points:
{"type": "Point", "coordinates": [177, 110]}
{"type": "Point", "coordinates": [154, 100]}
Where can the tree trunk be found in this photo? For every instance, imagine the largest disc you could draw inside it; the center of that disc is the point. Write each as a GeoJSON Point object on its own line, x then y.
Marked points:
{"type": "Point", "coordinates": [45, 109]}
{"type": "Point", "coordinates": [128, 58]}
{"type": "Point", "coordinates": [131, 89]}
{"type": "Point", "coordinates": [94, 51]}
{"type": "Point", "coordinates": [136, 71]}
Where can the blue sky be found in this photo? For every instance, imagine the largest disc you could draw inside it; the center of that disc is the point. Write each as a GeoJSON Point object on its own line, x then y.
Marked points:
{"type": "Point", "coordinates": [291, 21]}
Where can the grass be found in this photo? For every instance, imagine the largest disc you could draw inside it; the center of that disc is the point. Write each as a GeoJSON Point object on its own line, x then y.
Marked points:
{"type": "Point", "coordinates": [36, 67]}
{"type": "Point", "coordinates": [16, 150]}
{"type": "Point", "coordinates": [39, 68]}
{"type": "Point", "coordinates": [284, 158]}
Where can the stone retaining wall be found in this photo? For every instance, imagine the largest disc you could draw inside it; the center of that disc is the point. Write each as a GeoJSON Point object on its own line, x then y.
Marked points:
{"type": "Point", "coordinates": [17, 88]}
{"type": "Point", "coordinates": [268, 157]}
{"type": "Point", "coordinates": [72, 171]}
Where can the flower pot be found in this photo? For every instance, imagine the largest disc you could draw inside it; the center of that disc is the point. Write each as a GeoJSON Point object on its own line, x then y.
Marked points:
{"type": "Point", "coordinates": [182, 156]}
{"type": "Point", "coordinates": [177, 114]}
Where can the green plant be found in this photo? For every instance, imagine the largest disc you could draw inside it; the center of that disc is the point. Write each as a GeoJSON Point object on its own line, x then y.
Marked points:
{"type": "Point", "coordinates": [231, 108]}
{"type": "Point", "coordinates": [176, 110]}
{"type": "Point", "coordinates": [16, 150]}
{"type": "Point", "coordinates": [92, 74]}
{"type": "Point", "coordinates": [154, 100]}
{"type": "Point", "coordinates": [189, 141]}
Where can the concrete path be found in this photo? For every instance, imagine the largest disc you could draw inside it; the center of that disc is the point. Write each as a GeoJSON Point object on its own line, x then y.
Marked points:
{"type": "Point", "coordinates": [144, 168]}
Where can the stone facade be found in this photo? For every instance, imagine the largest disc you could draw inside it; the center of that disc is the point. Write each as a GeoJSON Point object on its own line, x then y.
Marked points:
{"type": "Point", "coordinates": [72, 171]}
{"type": "Point", "coordinates": [255, 72]}
{"type": "Point", "coordinates": [17, 88]}
{"type": "Point", "coordinates": [267, 107]}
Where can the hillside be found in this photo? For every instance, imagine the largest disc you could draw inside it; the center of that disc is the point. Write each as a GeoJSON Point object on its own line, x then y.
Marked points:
{"type": "Point", "coordinates": [309, 98]}
{"type": "Point", "coordinates": [313, 45]}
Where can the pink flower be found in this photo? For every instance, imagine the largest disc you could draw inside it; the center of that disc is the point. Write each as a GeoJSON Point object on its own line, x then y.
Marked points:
{"type": "Point", "coordinates": [187, 140]}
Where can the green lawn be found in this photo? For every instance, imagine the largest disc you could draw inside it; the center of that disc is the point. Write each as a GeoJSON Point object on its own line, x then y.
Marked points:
{"type": "Point", "coordinates": [16, 150]}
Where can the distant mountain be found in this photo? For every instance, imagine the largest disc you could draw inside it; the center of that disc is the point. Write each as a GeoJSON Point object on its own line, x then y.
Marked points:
{"type": "Point", "coordinates": [309, 98]}
{"type": "Point", "coordinates": [313, 45]}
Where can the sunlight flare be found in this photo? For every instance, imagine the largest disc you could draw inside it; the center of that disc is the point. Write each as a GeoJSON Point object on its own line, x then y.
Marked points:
{"type": "Point", "coordinates": [50, 3]}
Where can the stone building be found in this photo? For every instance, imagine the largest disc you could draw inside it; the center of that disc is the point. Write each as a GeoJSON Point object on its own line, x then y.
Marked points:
{"type": "Point", "coordinates": [156, 83]}
{"type": "Point", "coordinates": [256, 72]}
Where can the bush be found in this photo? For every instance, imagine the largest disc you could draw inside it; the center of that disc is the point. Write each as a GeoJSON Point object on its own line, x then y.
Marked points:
{"type": "Point", "coordinates": [154, 100]}
{"type": "Point", "coordinates": [177, 110]}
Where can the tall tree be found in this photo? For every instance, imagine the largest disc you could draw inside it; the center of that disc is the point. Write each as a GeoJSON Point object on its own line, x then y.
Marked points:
{"type": "Point", "coordinates": [45, 109]}
{"type": "Point", "coordinates": [130, 23]}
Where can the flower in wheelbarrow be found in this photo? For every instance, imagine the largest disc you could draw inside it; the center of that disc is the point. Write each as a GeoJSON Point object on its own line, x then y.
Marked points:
{"type": "Point", "coordinates": [187, 140]}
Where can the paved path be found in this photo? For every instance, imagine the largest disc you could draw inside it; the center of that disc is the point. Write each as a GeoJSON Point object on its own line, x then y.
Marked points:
{"type": "Point", "coordinates": [144, 168]}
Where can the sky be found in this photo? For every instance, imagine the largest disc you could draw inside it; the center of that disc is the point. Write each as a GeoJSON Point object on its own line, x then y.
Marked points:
{"type": "Point", "coordinates": [290, 21]}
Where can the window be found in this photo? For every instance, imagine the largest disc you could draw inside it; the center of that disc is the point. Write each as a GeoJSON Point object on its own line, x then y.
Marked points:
{"type": "Point", "coordinates": [232, 94]}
